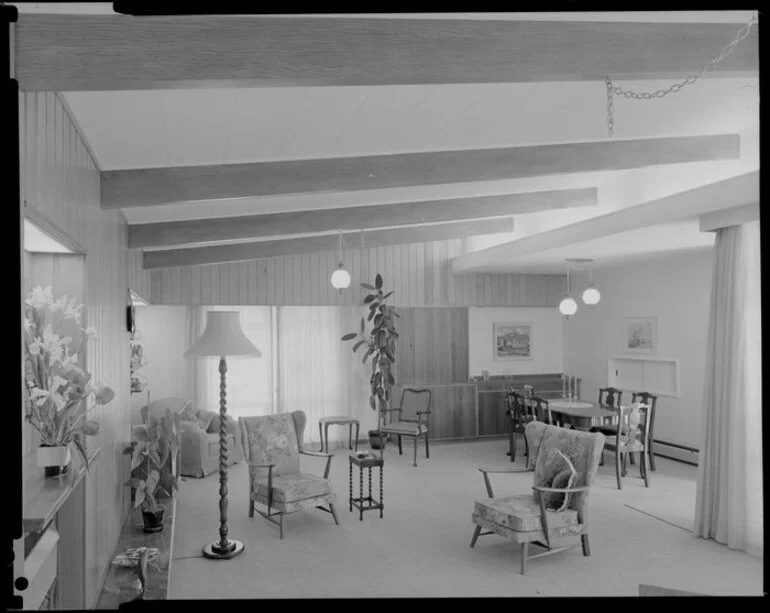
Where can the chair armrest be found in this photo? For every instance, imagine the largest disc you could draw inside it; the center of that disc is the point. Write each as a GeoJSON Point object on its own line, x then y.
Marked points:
{"type": "Point", "coordinates": [391, 410]}
{"type": "Point", "coordinates": [505, 470]}
{"type": "Point", "coordinates": [566, 490]}
{"type": "Point", "coordinates": [317, 454]}
{"type": "Point", "coordinates": [486, 471]}
{"type": "Point", "coordinates": [255, 465]}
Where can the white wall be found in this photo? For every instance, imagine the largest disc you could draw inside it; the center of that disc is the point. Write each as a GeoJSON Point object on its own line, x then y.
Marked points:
{"type": "Point", "coordinates": [676, 289]}
{"type": "Point", "coordinates": [546, 340]}
{"type": "Point", "coordinates": [164, 342]}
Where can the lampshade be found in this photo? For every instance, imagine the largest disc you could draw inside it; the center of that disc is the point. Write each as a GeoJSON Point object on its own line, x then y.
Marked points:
{"type": "Point", "coordinates": [340, 278]}
{"type": "Point", "coordinates": [223, 337]}
{"type": "Point", "coordinates": [591, 295]}
{"type": "Point", "coordinates": [568, 306]}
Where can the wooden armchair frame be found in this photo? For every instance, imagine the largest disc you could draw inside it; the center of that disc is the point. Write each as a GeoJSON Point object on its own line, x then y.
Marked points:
{"type": "Point", "coordinates": [525, 538]}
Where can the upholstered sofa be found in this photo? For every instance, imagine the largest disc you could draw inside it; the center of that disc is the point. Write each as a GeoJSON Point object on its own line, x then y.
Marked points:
{"type": "Point", "coordinates": [200, 437]}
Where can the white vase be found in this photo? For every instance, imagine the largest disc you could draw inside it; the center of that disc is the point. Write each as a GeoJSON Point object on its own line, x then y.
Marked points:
{"type": "Point", "coordinates": [53, 456]}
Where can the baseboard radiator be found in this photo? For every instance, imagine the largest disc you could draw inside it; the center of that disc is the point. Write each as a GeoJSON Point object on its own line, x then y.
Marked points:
{"type": "Point", "coordinates": [675, 451]}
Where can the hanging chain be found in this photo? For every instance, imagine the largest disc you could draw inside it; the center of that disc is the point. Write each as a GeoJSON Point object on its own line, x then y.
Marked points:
{"type": "Point", "coordinates": [613, 90]}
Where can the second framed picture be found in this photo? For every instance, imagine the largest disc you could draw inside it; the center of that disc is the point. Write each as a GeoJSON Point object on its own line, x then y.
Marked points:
{"type": "Point", "coordinates": [640, 335]}
{"type": "Point", "coordinates": [512, 341]}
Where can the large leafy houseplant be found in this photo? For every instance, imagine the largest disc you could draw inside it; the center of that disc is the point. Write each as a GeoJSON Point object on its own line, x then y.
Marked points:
{"type": "Point", "coordinates": [57, 388]}
{"type": "Point", "coordinates": [153, 464]}
{"type": "Point", "coordinates": [379, 344]}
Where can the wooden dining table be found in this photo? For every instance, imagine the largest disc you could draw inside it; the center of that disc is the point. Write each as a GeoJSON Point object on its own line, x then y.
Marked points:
{"type": "Point", "coordinates": [580, 414]}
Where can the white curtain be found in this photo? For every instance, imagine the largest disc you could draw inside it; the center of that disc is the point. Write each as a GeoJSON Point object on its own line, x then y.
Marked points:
{"type": "Point", "coordinates": [318, 373]}
{"type": "Point", "coordinates": [729, 499]}
{"type": "Point", "coordinates": [249, 379]}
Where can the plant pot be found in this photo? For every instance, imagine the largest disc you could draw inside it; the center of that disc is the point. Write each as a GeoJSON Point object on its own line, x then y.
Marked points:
{"type": "Point", "coordinates": [153, 520]}
{"type": "Point", "coordinates": [55, 460]}
{"type": "Point", "coordinates": [375, 439]}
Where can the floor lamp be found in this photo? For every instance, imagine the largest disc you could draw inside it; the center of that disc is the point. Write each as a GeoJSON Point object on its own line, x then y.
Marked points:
{"type": "Point", "coordinates": [222, 337]}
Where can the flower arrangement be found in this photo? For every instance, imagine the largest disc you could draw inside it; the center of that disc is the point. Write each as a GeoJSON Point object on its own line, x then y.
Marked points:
{"type": "Point", "coordinates": [57, 387]}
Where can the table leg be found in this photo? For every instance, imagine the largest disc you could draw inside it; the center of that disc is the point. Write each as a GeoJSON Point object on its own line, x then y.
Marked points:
{"type": "Point", "coordinates": [370, 484]}
{"type": "Point", "coordinates": [361, 494]}
{"type": "Point", "coordinates": [350, 489]}
{"type": "Point", "coordinates": [382, 504]}
{"type": "Point", "coordinates": [321, 435]}
{"type": "Point", "coordinates": [350, 435]}
{"type": "Point", "coordinates": [357, 428]}
{"type": "Point", "coordinates": [326, 436]}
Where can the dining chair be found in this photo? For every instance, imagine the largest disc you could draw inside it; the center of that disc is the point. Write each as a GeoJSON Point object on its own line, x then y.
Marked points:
{"type": "Point", "coordinates": [649, 399]}
{"type": "Point", "coordinates": [609, 398]}
{"type": "Point", "coordinates": [413, 405]}
{"type": "Point", "coordinates": [542, 411]}
{"type": "Point", "coordinates": [518, 416]}
{"type": "Point", "coordinates": [632, 436]}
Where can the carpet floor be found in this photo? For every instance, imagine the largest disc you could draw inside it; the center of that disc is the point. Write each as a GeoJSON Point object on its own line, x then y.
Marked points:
{"type": "Point", "coordinates": [421, 546]}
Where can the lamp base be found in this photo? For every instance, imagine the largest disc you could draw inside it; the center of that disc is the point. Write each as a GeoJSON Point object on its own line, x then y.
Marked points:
{"type": "Point", "coordinates": [214, 551]}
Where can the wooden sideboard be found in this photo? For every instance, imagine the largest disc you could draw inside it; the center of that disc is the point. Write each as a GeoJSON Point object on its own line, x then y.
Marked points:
{"type": "Point", "coordinates": [477, 409]}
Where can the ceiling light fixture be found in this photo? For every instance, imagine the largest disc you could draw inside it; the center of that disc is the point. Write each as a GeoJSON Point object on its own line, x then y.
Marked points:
{"type": "Point", "coordinates": [340, 278]}
{"type": "Point", "coordinates": [568, 306]}
{"type": "Point", "coordinates": [591, 295]}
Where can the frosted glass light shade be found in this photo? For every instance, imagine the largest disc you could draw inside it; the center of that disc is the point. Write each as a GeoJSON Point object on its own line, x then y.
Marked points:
{"type": "Point", "coordinates": [223, 337]}
{"type": "Point", "coordinates": [568, 306]}
{"type": "Point", "coordinates": [340, 278]}
{"type": "Point", "coordinates": [591, 295]}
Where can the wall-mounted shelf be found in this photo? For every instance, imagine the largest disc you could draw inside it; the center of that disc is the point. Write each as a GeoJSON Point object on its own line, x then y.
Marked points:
{"type": "Point", "coordinates": [647, 373]}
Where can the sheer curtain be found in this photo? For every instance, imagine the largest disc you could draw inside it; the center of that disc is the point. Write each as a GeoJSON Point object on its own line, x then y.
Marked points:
{"type": "Point", "coordinates": [318, 373]}
{"type": "Point", "coordinates": [249, 380]}
{"type": "Point", "coordinates": [729, 499]}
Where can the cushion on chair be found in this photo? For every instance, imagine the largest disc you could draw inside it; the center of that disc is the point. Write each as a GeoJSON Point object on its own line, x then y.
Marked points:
{"type": "Point", "coordinates": [564, 476]}
{"type": "Point", "coordinates": [405, 427]}
{"type": "Point", "coordinates": [272, 439]}
{"type": "Point", "coordinates": [290, 488]}
{"type": "Point", "coordinates": [583, 449]}
{"type": "Point", "coordinates": [522, 514]}
{"type": "Point", "coordinates": [205, 418]}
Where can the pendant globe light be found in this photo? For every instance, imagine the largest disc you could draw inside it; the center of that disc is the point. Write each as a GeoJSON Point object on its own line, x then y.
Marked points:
{"type": "Point", "coordinates": [568, 306]}
{"type": "Point", "coordinates": [341, 277]}
{"type": "Point", "coordinates": [591, 295]}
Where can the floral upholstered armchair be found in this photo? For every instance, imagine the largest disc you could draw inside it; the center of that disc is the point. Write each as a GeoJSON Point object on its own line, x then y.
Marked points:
{"type": "Point", "coordinates": [564, 462]}
{"type": "Point", "coordinates": [272, 446]}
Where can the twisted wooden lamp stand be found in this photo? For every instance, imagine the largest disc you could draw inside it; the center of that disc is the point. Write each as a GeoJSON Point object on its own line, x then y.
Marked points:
{"type": "Point", "coordinates": [223, 549]}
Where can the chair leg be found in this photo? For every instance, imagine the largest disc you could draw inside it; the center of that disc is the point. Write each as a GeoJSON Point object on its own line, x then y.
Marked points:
{"type": "Point", "coordinates": [251, 508]}
{"type": "Point", "coordinates": [618, 468]}
{"type": "Point", "coordinates": [400, 450]}
{"type": "Point", "coordinates": [586, 546]}
{"type": "Point", "coordinates": [643, 468]}
{"type": "Point", "coordinates": [633, 460]}
{"type": "Point", "coordinates": [321, 435]}
{"type": "Point", "coordinates": [427, 449]}
{"type": "Point", "coordinates": [513, 447]}
{"type": "Point", "coordinates": [334, 513]}
{"type": "Point", "coordinates": [415, 450]}
{"type": "Point", "coordinates": [526, 446]}
{"type": "Point", "coordinates": [625, 463]}
{"type": "Point", "coordinates": [601, 460]}
{"type": "Point", "coordinates": [524, 547]}
{"type": "Point", "coordinates": [476, 533]}
{"type": "Point", "coordinates": [280, 524]}
{"type": "Point", "coordinates": [652, 457]}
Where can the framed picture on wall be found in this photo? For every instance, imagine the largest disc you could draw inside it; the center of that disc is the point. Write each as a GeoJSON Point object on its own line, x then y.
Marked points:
{"type": "Point", "coordinates": [640, 335]}
{"type": "Point", "coordinates": [512, 341]}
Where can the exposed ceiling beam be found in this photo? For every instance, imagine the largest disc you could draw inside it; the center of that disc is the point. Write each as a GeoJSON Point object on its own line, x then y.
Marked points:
{"type": "Point", "coordinates": [177, 233]}
{"type": "Point", "coordinates": [732, 192]}
{"type": "Point", "coordinates": [237, 252]}
{"type": "Point", "coordinates": [119, 52]}
{"type": "Point", "coordinates": [734, 216]}
{"type": "Point", "coordinates": [152, 186]}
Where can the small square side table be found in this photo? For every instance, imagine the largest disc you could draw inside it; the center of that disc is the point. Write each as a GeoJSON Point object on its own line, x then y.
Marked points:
{"type": "Point", "coordinates": [337, 420]}
{"type": "Point", "coordinates": [365, 503]}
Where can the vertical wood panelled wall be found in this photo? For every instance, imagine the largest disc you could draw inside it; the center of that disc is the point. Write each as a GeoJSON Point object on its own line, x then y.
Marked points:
{"type": "Point", "coordinates": [60, 179]}
{"type": "Point", "coordinates": [420, 275]}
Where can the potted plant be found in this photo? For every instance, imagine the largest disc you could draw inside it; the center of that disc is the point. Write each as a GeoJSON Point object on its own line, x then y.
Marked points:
{"type": "Point", "coordinates": [380, 344]}
{"type": "Point", "coordinates": [57, 388]}
{"type": "Point", "coordinates": [153, 465]}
